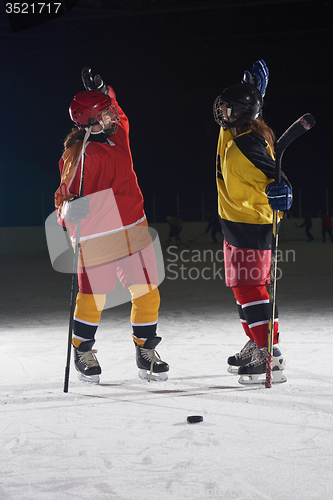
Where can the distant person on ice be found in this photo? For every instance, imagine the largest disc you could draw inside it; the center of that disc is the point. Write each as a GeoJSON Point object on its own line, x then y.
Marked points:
{"type": "Point", "coordinates": [176, 226]}
{"type": "Point", "coordinates": [246, 196]}
{"type": "Point", "coordinates": [115, 240]}
{"type": "Point", "coordinates": [307, 223]}
{"type": "Point", "coordinates": [214, 226]}
{"type": "Point", "coordinates": [326, 226]}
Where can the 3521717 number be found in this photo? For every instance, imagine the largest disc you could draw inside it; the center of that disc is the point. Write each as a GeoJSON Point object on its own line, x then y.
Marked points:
{"type": "Point", "coordinates": [32, 8]}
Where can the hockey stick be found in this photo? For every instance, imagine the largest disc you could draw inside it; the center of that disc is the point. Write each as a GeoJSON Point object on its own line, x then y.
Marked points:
{"type": "Point", "coordinates": [299, 127]}
{"type": "Point", "coordinates": [75, 266]}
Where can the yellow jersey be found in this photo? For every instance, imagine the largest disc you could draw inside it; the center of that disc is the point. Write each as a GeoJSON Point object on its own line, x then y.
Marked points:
{"type": "Point", "coordinates": [244, 167]}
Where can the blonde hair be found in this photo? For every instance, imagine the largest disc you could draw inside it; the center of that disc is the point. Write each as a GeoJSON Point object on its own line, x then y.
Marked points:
{"type": "Point", "coordinates": [76, 134]}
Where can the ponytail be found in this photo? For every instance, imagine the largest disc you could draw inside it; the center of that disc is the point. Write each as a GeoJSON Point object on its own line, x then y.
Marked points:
{"type": "Point", "coordinates": [74, 136]}
{"type": "Point", "coordinates": [261, 128]}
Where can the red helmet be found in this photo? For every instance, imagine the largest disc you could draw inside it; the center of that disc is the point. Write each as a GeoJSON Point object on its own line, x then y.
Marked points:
{"type": "Point", "coordinates": [87, 106]}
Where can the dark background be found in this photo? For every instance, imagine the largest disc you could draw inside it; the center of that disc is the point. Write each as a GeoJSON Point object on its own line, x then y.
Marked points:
{"type": "Point", "coordinates": [167, 61]}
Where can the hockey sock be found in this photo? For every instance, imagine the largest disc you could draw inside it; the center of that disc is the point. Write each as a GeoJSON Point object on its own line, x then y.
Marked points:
{"type": "Point", "coordinates": [254, 302]}
{"type": "Point", "coordinates": [243, 321]}
{"type": "Point", "coordinates": [87, 316]}
{"type": "Point", "coordinates": [144, 314]}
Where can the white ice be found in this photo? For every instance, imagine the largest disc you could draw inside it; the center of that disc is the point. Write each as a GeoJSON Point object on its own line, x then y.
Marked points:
{"type": "Point", "coordinates": [126, 439]}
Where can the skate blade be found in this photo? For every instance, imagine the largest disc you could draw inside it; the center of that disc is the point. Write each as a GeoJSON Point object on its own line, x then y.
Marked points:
{"type": "Point", "coordinates": [278, 377]}
{"type": "Point", "coordinates": [233, 369]}
{"type": "Point", "coordinates": [156, 377]}
{"type": "Point", "coordinates": [88, 379]}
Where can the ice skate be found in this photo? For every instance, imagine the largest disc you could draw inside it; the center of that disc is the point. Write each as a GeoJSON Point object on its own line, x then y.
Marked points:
{"type": "Point", "coordinates": [255, 371]}
{"type": "Point", "coordinates": [86, 362]}
{"type": "Point", "coordinates": [242, 358]}
{"type": "Point", "coordinates": [149, 362]}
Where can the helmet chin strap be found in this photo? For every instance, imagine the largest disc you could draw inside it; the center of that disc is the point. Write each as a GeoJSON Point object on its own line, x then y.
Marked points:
{"type": "Point", "coordinates": [95, 133]}
{"type": "Point", "coordinates": [103, 130]}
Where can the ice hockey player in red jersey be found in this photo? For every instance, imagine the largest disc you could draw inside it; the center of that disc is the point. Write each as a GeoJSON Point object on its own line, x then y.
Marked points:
{"type": "Point", "coordinates": [114, 239]}
{"type": "Point", "coordinates": [246, 197]}
{"type": "Point", "coordinates": [326, 226]}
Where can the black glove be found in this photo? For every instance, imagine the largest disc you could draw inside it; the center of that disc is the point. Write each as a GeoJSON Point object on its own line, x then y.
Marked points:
{"type": "Point", "coordinates": [91, 82]}
{"type": "Point", "coordinates": [77, 208]}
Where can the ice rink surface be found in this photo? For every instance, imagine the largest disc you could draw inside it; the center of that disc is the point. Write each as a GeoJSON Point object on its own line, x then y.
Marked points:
{"type": "Point", "coordinates": [126, 439]}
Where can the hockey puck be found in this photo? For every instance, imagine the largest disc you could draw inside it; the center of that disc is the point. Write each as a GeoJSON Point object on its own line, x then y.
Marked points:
{"type": "Point", "coordinates": [194, 419]}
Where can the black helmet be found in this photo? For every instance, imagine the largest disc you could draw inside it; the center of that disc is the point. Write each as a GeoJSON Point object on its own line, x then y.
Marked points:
{"type": "Point", "coordinates": [242, 102]}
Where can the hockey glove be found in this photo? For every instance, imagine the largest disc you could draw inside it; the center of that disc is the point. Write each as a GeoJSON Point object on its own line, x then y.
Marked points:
{"type": "Point", "coordinates": [279, 196]}
{"type": "Point", "coordinates": [257, 76]}
{"type": "Point", "coordinates": [77, 208]}
{"type": "Point", "coordinates": [91, 82]}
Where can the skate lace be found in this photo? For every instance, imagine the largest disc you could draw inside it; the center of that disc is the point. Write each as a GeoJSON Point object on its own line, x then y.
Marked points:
{"type": "Point", "coordinates": [258, 357]}
{"type": "Point", "coordinates": [249, 346]}
{"type": "Point", "coordinates": [152, 356]}
{"type": "Point", "coordinates": [88, 358]}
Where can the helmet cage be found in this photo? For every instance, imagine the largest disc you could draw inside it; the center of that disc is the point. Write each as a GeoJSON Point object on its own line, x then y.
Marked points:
{"type": "Point", "coordinates": [109, 119]}
{"type": "Point", "coordinates": [236, 105]}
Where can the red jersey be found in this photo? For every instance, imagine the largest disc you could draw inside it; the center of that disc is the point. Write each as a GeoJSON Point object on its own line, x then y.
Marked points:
{"type": "Point", "coordinates": [107, 166]}
{"type": "Point", "coordinates": [326, 222]}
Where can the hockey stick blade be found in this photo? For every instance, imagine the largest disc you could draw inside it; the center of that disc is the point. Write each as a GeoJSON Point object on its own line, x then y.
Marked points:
{"type": "Point", "coordinates": [299, 127]}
